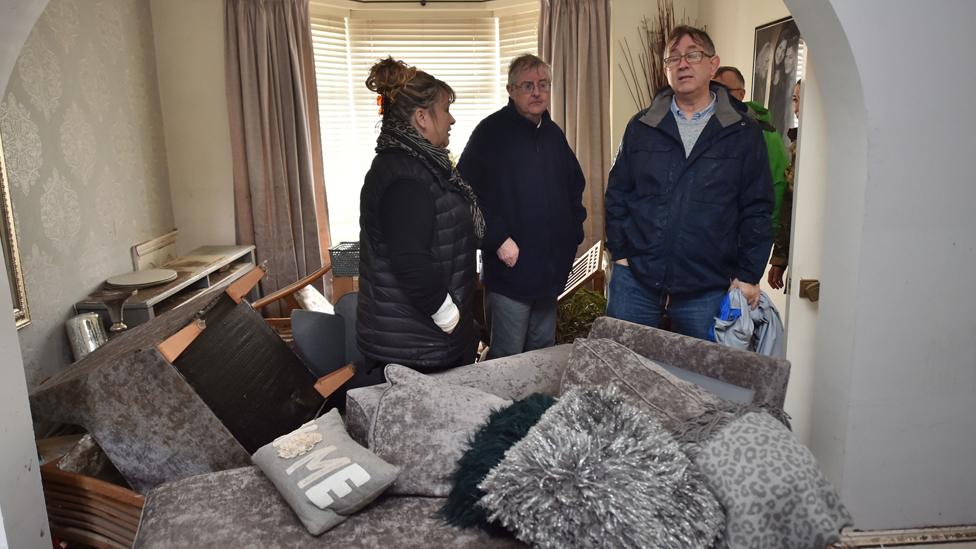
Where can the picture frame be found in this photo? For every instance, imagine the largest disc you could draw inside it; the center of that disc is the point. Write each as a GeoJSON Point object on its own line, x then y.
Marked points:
{"type": "Point", "coordinates": [11, 250]}
{"type": "Point", "coordinates": [777, 65]}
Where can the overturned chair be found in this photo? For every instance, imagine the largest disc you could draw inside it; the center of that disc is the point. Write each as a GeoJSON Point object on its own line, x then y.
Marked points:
{"type": "Point", "coordinates": [196, 390]}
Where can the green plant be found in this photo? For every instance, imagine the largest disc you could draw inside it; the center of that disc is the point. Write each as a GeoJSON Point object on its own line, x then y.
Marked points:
{"type": "Point", "coordinates": [576, 314]}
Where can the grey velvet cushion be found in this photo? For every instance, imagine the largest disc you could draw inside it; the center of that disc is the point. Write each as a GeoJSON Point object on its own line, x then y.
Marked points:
{"type": "Point", "coordinates": [423, 425]}
{"type": "Point", "coordinates": [596, 471]}
{"type": "Point", "coordinates": [770, 486]}
{"type": "Point", "coordinates": [330, 481]}
{"type": "Point", "coordinates": [512, 377]}
{"type": "Point", "coordinates": [594, 362]}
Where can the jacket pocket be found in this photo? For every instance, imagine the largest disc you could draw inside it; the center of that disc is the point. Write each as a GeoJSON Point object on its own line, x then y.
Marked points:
{"type": "Point", "coordinates": [652, 165]}
{"type": "Point", "coordinates": [717, 179]}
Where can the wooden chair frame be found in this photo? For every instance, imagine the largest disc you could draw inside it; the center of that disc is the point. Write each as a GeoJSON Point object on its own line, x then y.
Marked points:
{"type": "Point", "coordinates": [88, 510]}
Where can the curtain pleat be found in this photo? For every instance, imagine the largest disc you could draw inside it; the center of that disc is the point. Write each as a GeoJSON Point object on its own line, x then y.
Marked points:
{"type": "Point", "coordinates": [279, 191]}
{"type": "Point", "coordinates": [574, 37]}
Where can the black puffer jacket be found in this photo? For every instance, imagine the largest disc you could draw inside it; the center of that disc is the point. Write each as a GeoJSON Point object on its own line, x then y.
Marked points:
{"type": "Point", "coordinates": [389, 327]}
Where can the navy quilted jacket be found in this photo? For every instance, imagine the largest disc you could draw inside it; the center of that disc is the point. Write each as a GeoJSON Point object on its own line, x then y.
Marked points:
{"type": "Point", "coordinates": [688, 225]}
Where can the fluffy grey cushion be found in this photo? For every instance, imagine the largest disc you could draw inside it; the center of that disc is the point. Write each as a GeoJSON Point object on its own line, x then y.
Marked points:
{"type": "Point", "coordinates": [770, 486]}
{"type": "Point", "coordinates": [596, 362]}
{"type": "Point", "coordinates": [423, 425]}
{"type": "Point", "coordinates": [596, 471]}
{"type": "Point", "coordinates": [333, 480]}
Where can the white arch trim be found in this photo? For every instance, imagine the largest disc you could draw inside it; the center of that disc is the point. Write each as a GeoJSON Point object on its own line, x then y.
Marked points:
{"type": "Point", "coordinates": [21, 500]}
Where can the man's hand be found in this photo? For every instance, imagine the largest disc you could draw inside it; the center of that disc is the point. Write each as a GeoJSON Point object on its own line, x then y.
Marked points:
{"type": "Point", "coordinates": [508, 252]}
{"type": "Point", "coordinates": [623, 262]}
{"type": "Point", "coordinates": [749, 291]}
{"type": "Point", "coordinates": [775, 277]}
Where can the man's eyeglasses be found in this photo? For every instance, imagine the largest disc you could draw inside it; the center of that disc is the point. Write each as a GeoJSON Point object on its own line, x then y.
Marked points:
{"type": "Point", "coordinates": [529, 87]}
{"type": "Point", "coordinates": [693, 58]}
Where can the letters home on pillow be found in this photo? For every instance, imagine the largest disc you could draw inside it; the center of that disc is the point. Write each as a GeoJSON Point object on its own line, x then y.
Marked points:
{"type": "Point", "coordinates": [322, 473]}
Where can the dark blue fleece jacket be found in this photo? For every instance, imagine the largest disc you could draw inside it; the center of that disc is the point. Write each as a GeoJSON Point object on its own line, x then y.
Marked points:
{"type": "Point", "coordinates": [530, 188]}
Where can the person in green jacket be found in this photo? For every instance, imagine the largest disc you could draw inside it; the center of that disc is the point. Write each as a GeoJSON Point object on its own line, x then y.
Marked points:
{"type": "Point", "coordinates": [731, 78]}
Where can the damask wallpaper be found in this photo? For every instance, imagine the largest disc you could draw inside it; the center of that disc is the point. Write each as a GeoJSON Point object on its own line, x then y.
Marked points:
{"type": "Point", "coordinates": [83, 141]}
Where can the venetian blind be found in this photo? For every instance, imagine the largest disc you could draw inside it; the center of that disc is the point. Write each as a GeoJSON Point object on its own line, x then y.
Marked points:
{"type": "Point", "coordinates": [518, 33]}
{"type": "Point", "coordinates": [468, 49]}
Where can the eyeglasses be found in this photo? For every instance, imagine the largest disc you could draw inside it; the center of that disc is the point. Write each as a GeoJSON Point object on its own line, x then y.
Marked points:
{"type": "Point", "coordinates": [529, 87]}
{"type": "Point", "coordinates": [693, 58]}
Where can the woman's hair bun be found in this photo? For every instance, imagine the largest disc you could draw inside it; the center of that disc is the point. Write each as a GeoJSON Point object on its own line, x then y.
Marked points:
{"type": "Point", "coordinates": [388, 76]}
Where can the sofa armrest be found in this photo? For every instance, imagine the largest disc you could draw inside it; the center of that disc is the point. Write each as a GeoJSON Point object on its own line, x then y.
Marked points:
{"type": "Point", "coordinates": [767, 377]}
{"type": "Point", "coordinates": [511, 378]}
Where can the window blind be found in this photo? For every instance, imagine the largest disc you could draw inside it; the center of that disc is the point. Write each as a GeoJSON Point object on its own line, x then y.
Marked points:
{"type": "Point", "coordinates": [518, 31]}
{"type": "Point", "coordinates": [469, 49]}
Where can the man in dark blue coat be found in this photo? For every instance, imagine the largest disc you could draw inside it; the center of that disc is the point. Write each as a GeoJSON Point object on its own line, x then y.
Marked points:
{"type": "Point", "coordinates": [530, 188]}
{"type": "Point", "coordinates": [689, 198]}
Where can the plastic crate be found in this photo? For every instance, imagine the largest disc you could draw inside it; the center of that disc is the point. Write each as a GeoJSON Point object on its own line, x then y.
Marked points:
{"type": "Point", "coordinates": [345, 259]}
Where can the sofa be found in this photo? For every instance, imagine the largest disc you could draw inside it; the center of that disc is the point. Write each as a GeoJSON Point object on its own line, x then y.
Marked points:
{"type": "Point", "coordinates": [241, 508]}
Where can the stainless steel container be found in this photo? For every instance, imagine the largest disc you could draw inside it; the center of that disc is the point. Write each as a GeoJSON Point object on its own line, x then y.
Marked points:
{"type": "Point", "coordinates": [86, 333]}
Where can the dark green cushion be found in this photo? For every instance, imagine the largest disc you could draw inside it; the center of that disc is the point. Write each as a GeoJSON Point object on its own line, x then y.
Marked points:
{"type": "Point", "coordinates": [486, 449]}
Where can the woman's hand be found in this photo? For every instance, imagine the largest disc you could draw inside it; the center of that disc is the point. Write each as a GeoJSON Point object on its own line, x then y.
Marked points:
{"type": "Point", "coordinates": [448, 316]}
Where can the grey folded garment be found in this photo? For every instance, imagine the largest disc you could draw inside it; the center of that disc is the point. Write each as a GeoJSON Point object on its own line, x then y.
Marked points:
{"type": "Point", "coordinates": [759, 329]}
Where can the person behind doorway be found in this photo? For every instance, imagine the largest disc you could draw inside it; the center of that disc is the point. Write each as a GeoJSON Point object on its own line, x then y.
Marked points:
{"type": "Point", "coordinates": [781, 245]}
{"type": "Point", "coordinates": [419, 228]}
{"type": "Point", "coordinates": [779, 162]}
{"type": "Point", "coordinates": [530, 185]}
{"type": "Point", "coordinates": [689, 198]}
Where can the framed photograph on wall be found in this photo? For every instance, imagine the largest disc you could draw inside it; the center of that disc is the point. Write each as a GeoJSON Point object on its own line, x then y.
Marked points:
{"type": "Point", "coordinates": [777, 65]}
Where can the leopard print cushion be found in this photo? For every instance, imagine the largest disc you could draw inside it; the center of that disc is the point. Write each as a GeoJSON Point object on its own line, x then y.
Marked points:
{"type": "Point", "coordinates": [770, 486]}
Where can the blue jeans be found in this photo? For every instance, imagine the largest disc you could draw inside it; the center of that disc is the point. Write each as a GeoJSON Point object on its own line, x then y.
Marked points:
{"type": "Point", "coordinates": [692, 315]}
{"type": "Point", "coordinates": [518, 326]}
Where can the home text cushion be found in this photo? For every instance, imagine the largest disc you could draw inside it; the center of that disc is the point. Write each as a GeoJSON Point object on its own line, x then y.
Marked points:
{"type": "Point", "coordinates": [673, 401]}
{"type": "Point", "coordinates": [423, 426]}
{"type": "Point", "coordinates": [331, 479]}
{"type": "Point", "coordinates": [770, 486]}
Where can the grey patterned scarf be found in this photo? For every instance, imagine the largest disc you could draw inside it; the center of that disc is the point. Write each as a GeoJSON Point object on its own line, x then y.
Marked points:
{"type": "Point", "coordinates": [400, 136]}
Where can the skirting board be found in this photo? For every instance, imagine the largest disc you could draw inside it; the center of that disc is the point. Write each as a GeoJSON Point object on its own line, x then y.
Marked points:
{"type": "Point", "coordinates": [912, 536]}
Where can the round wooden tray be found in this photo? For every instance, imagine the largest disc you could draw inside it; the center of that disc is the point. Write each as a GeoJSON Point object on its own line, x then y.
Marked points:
{"type": "Point", "coordinates": [142, 279]}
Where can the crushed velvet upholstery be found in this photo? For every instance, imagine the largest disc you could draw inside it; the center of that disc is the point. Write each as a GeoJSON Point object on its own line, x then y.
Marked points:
{"type": "Point", "coordinates": [159, 421]}
{"type": "Point", "coordinates": [511, 378]}
{"type": "Point", "coordinates": [241, 508]}
{"type": "Point", "coordinates": [767, 376]}
{"type": "Point", "coordinates": [151, 424]}
{"type": "Point", "coordinates": [422, 425]}
{"type": "Point", "coordinates": [672, 401]}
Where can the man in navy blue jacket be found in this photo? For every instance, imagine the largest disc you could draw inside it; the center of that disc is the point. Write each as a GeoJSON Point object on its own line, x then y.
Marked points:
{"type": "Point", "coordinates": [530, 188]}
{"type": "Point", "coordinates": [689, 198]}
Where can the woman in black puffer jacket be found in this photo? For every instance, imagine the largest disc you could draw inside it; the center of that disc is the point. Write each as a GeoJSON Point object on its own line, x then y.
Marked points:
{"type": "Point", "coordinates": [419, 229]}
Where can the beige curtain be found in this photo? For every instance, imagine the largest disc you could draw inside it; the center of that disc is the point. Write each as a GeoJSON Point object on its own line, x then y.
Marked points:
{"type": "Point", "coordinates": [574, 37]}
{"type": "Point", "coordinates": [279, 191]}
